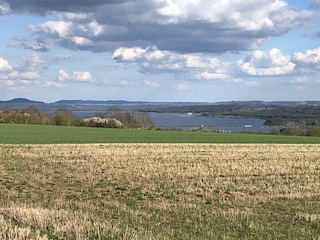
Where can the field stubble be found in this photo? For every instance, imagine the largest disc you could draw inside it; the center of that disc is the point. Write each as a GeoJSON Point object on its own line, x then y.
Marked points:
{"type": "Point", "coordinates": [159, 191]}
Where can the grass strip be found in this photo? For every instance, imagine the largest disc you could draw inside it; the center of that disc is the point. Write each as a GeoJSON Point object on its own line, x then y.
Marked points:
{"type": "Point", "coordinates": [23, 134]}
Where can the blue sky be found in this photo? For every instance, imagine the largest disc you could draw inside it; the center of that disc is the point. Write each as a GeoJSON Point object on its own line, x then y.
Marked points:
{"type": "Point", "coordinates": [160, 50]}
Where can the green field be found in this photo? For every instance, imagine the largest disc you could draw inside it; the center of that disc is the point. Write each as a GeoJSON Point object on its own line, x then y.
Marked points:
{"type": "Point", "coordinates": [15, 133]}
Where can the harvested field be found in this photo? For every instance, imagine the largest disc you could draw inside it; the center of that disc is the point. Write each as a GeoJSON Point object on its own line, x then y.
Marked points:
{"type": "Point", "coordinates": [160, 191]}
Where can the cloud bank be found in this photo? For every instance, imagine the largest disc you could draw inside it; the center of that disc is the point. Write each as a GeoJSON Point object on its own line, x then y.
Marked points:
{"type": "Point", "coordinates": [180, 26]}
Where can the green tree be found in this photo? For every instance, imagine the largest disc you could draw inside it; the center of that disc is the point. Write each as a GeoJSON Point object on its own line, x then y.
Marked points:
{"type": "Point", "coordinates": [65, 117]}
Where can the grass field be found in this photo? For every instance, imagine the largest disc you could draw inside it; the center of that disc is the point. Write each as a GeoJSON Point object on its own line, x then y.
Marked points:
{"type": "Point", "coordinates": [14, 133]}
{"type": "Point", "coordinates": [159, 191]}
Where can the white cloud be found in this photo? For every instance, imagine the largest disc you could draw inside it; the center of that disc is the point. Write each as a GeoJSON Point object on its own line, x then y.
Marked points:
{"type": "Point", "coordinates": [174, 25]}
{"type": "Point", "coordinates": [26, 75]}
{"type": "Point", "coordinates": [30, 75]}
{"type": "Point", "coordinates": [75, 76]}
{"type": "Point", "coordinates": [4, 65]}
{"type": "Point", "coordinates": [82, 76]}
{"type": "Point", "coordinates": [95, 28]}
{"type": "Point", "coordinates": [4, 8]}
{"type": "Point", "coordinates": [128, 54]}
{"type": "Point", "coordinates": [210, 76]}
{"type": "Point", "coordinates": [58, 29]}
{"type": "Point", "coordinates": [309, 59]}
{"type": "Point", "coordinates": [81, 41]}
{"type": "Point", "coordinates": [152, 59]}
{"type": "Point", "coordinates": [152, 84]}
{"type": "Point", "coordinates": [23, 78]}
{"type": "Point", "coordinates": [69, 33]}
{"type": "Point", "coordinates": [272, 63]}
{"type": "Point", "coordinates": [202, 67]}
{"type": "Point", "coordinates": [251, 15]}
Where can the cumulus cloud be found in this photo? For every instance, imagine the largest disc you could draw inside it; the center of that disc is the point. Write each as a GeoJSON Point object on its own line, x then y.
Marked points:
{"type": "Point", "coordinates": [275, 63]}
{"type": "Point", "coordinates": [4, 65]}
{"type": "Point", "coordinates": [202, 67]}
{"type": "Point", "coordinates": [210, 76]}
{"type": "Point", "coordinates": [249, 15]}
{"type": "Point", "coordinates": [4, 8]}
{"type": "Point", "coordinates": [21, 78]}
{"type": "Point", "coordinates": [56, 28]}
{"type": "Point", "coordinates": [174, 25]}
{"type": "Point", "coordinates": [21, 75]}
{"type": "Point", "coordinates": [271, 63]}
{"type": "Point", "coordinates": [76, 76]}
{"type": "Point", "coordinates": [24, 76]}
{"type": "Point", "coordinates": [71, 34]}
{"type": "Point", "coordinates": [308, 60]}
{"type": "Point", "coordinates": [151, 59]}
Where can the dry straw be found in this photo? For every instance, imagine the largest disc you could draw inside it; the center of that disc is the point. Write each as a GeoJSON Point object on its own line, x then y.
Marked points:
{"type": "Point", "coordinates": [127, 190]}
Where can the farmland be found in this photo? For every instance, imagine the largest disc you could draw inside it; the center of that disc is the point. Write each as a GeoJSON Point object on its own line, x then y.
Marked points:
{"type": "Point", "coordinates": [159, 191]}
{"type": "Point", "coordinates": [24, 134]}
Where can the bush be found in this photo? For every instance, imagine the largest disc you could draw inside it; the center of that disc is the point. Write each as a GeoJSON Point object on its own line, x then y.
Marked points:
{"type": "Point", "coordinates": [313, 131]}
{"type": "Point", "coordinates": [299, 131]}
{"type": "Point", "coordinates": [274, 132]}
{"type": "Point", "coordinates": [131, 119]}
{"type": "Point", "coordinates": [27, 116]}
{"type": "Point", "coordinates": [102, 122]}
{"type": "Point", "coordinates": [64, 117]}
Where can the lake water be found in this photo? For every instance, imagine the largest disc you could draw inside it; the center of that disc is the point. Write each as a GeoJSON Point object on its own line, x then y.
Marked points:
{"type": "Point", "coordinates": [186, 122]}
{"type": "Point", "coordinates": [190, 122]}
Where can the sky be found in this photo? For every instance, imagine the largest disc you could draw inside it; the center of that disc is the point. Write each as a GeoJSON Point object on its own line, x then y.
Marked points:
{"type": "Point", "coordinates": [160, 50]}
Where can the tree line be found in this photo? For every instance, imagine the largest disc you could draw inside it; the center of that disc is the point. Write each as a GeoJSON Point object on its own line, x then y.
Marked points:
{"type": "Point", "coordinates": [113, 118]}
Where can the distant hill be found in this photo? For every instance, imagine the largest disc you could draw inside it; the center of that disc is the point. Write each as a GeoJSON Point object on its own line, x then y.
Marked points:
{"type": "Point", "coordinates": [21, 100]}
{"type": "Point", "coordinates": [92, 102]}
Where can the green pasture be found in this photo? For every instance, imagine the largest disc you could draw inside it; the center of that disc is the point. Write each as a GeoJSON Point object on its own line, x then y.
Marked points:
{"type": "Point", "coordinates": [15, 133]}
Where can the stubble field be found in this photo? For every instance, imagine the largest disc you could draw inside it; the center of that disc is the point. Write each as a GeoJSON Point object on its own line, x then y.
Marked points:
{"type": "Point", "coordinates": [159, 191]}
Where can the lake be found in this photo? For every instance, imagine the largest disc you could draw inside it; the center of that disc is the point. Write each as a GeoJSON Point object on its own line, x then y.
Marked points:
{"type": "Point", "coordinates": [193, 122]}
{"type": "Point", "coordinates": [183, 121]}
